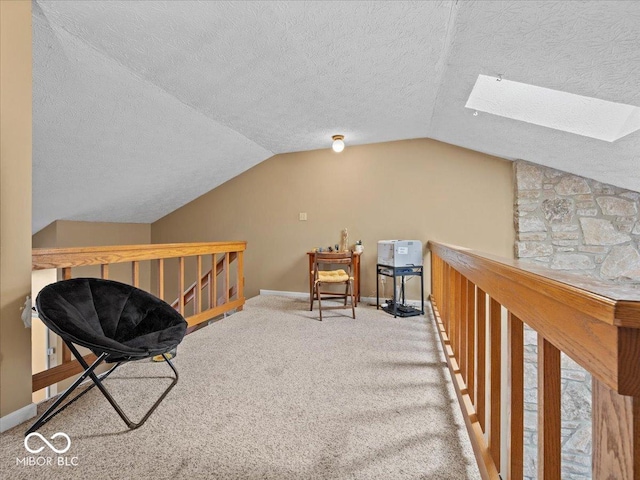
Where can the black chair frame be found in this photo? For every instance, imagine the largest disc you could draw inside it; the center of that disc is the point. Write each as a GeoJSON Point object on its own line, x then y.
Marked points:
{"type": "Point", "coordinates": [55, 408]}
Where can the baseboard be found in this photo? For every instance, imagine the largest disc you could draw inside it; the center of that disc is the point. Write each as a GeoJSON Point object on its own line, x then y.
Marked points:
{"type": "Point", "coordinates": [305, 296]}
{"type": "Point", "coordinates": [282, 293]}
{"type": "Point", "coordinates": [17, 417]}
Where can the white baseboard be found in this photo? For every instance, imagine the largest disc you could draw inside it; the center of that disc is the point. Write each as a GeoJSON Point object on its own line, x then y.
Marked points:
{"type": "Point", "coordinates": [282, 293]}
{"type": "Point", "coordinates": [17, 417]}
{"type": "Point", "coordinates": [305, 296]}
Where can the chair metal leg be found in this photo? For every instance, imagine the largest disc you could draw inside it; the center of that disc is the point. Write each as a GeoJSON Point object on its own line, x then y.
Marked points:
{"type": "Point", "coordinates": [97, 382]}
{"type": "Point", "coordinates": [53, 410]}
{"type": "Point", "coordinates": [132, 425]}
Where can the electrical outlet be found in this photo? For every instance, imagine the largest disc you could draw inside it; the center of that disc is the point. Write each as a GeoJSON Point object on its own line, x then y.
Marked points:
{"type": "Point", "coordinates": [303, 216]}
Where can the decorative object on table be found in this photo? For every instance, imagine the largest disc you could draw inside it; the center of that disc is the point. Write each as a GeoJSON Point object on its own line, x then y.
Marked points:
{"type": "Point", "coordinates": [359, 247]}
{"type": "Point", "coordinates": [344, 243]}
{"type": "Point", "coordinates": [330, 248]}
{"type": "Point", "coordinates": [337, 247]}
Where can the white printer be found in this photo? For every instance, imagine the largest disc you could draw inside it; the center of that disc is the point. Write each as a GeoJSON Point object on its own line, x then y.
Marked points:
{"type": "Point", "coordinates": [400, 253]}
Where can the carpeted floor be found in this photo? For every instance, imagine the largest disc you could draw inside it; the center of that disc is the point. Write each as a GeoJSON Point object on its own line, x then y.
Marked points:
{"type": "Point", "coordinates": [272, 393]}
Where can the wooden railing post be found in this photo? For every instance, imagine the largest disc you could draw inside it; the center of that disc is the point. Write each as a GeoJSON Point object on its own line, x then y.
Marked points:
{"type": "Point", "coordinates": [616, 434]}
{"type": "Point", "coordinates": [213, 292]}
{"type": "Point", "coordinates": [198, 293]}
{"type": "Point", "coordinates": [226, 277]}
{"type": "Point", "coordinates": [462, 328]}
{"type": "Point", "coordinates": [495, 337]}
{"type": "Point", "coordinates": [548, 411]}
{"type": "Point", "coordinates": [471, 340]}
{"type": "Point", "coordinates": [481, 308]}
{"type": "Point", "coordinates": [135, 274]}
{"type": "Point", "coordinates": [516, 396]}
{"type": "Point", "coordinates": [240, 276]}
{"type": "Point", "coordinates": [161, 278]}
{"type": "Point", "coordinates": [181, 285]}
{"type": "Point", "coordinates": [453, 311]}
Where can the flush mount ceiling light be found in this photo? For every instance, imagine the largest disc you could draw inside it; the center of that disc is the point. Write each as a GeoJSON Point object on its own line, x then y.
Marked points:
{"type": "Point", "coordinates": [586, 116]}
{"type": "Point", "coordinates": [338, 143]}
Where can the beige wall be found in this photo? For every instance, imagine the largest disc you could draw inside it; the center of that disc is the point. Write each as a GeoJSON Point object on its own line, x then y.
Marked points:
{"type": "Point", "coordinates": [15, 203]}
{"type": "Point", "coordinates": [47, 237]}
{"type": "Point", "coordinates": [416, 189]}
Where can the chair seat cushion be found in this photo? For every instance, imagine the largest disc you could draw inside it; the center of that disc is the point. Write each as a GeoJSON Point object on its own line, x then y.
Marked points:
{"type": "Point", "coordinates": [333, 276]}
{"type": "Point", "coordinates": [110, 317]}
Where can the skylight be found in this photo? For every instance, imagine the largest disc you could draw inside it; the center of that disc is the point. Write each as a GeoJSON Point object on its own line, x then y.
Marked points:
{"type": "Point", "coordinates": [587, 116]}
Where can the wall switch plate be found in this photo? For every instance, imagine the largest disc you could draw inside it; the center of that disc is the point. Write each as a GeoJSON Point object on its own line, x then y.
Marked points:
{"type": "Point", "coordinates": [303, 216]}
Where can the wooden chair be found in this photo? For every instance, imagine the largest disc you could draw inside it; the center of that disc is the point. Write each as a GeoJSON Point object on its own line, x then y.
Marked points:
{"type": "Point", "coordinates": [342, 276]}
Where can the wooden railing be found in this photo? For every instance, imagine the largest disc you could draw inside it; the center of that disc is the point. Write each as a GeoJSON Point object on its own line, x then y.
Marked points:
{"type": "Point", "coordinates": [596, 324]}
{"type": "Point", "coordinates": [205, 287]}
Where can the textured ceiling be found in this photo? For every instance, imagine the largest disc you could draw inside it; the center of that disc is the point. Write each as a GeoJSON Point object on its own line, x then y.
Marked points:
{"type": "Point", "coordinates": [586, 48]}
{"type": "Point", "coordinates": [140, 107]}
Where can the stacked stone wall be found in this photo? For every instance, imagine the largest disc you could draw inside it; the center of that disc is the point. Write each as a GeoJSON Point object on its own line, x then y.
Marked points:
{"type": "Point", "coordinates": [578, 225]}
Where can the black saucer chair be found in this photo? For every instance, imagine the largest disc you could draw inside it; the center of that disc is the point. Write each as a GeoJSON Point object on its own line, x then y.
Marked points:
{"type": "Point", "coordinates": [117, 322]}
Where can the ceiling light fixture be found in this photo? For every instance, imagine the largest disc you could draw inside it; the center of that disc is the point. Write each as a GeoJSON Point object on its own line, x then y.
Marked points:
{"type": "Point", "coordinates": [338, 143]}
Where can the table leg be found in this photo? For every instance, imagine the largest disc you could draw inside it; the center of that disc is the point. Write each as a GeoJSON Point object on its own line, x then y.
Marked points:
{"type": "Point", "coordinates": [311, 261]}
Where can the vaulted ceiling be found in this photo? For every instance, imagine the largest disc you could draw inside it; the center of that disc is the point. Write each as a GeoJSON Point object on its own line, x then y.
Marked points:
{"type": "Point", "coordinates": [141, 106]}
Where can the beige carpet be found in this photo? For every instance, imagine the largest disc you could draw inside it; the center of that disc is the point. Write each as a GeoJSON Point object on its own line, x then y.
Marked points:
{"type": "Point", "coordinates": [272, 393]}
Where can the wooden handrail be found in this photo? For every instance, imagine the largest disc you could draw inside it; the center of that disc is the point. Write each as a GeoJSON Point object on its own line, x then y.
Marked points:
{"type": "Point", "coordinates": [65, 259]}
{"type": "Point", "coordinates": [582, 317]}
{"type": "Point", "coordinates": [594, 323]}
{"type": "Point", "coordinates": [43, 258]}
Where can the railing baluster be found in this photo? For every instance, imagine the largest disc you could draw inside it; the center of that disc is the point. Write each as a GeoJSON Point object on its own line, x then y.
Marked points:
{"type": "Point", "coordinates": [135, 274]}
{"type": "Point", "coordinates": [516, 392]}
{"type": "Point", "coordinates": [549, 424]}
{"type": "Point", "coordinates": [448, 300]}
{"type": "Point", "coordinates": [181, 285]}
{"type": "Point", "coordinates": [462, 355]}
{"type": "Point", "coordinates": [198, 294]}
{"type": "Point", "coordinates": [444, 303]}
{"type": "Point", "coordinates": [481, 307]}
{"type": "Point", "coordinates": [453, 311]}
{"type": "Point", "coordinates": [494, 385]}
{"type": "Point", "coordinates": [104, 271]}
{"type": "Point", "coordinates": [471, 340]}
{"type": "Point", "coordinates": [226, 277]}
{"type": "Point", "coordinates": [434, 279]}
{"type": "Point", "coordinates": [161, 278]}
{"type": "Point", "coordinates": [240, 276]}
{"type": "Point", "coordinates": [214, 283]}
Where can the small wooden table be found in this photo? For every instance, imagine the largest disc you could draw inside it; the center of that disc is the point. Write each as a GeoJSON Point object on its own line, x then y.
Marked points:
{"type": "Point", "coordinates": [356, 274]}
